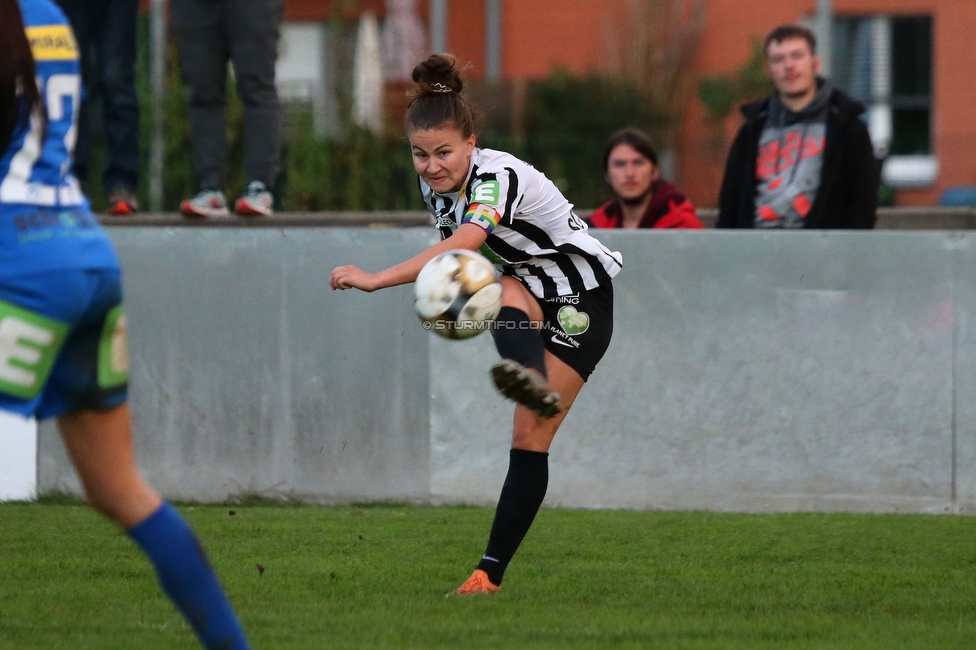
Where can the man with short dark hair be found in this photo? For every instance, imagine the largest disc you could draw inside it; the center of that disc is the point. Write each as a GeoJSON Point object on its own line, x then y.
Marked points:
{"type": "Point", "coordinates": [803, 158]}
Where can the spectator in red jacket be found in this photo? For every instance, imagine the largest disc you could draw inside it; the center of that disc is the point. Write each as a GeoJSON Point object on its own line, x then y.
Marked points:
{"type": "Point", "coordinates": [641, 198]}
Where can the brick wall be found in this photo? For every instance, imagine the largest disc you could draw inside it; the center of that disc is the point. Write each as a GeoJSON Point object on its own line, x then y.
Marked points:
{"type": "Point", "coordinates": [541, 35]}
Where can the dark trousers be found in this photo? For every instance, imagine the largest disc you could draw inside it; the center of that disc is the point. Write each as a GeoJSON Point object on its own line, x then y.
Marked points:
{"type": "Point", "coordinates": [106, 35]}
{"type": "Point", "coordinates": [245, 32]}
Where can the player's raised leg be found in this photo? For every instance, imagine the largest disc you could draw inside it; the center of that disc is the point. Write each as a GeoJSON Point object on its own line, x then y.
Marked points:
{"type": "Point", "coordinates": [521, 375]}
{"type": "Point", "coordinates": [100, 444]}
{"type": "Point", "coordinates": [526, 482]}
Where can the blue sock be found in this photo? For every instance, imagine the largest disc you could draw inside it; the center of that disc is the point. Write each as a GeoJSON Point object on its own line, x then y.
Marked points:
{"type": "Point", "coordinates": [186, 576]}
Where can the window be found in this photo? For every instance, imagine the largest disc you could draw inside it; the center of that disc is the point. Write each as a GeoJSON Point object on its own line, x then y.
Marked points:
{"type": "Point", "coordinates": [885, 62]}
{"type": "Point", "coordinates": [911, 86]}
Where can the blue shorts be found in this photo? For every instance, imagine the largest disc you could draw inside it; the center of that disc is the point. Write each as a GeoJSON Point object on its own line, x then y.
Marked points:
{"type": "Point", "coordinates": [62, 342]}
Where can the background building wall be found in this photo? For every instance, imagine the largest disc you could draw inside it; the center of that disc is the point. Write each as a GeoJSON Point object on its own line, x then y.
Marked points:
{"type": "Point", "coordinates": [466, 35]}
{"type": "Point", "coordinates": [543, 35]}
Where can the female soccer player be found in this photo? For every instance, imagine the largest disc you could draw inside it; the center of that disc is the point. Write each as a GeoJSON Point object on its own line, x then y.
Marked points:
{"type": "Point", "coordinates": [62, 325]}
{"type": "Point", "coordinates": [557, 299]}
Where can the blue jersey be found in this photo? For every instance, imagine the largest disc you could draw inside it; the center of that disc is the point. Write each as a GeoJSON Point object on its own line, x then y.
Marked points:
{"type": "Point", "coordinates": [45, 220]}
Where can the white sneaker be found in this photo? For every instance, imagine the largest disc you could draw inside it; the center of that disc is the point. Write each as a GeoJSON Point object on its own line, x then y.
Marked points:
{"type": "Point", "coordinates": [256, 202]}
{"type": "Point", "coordinates": [207, 203]}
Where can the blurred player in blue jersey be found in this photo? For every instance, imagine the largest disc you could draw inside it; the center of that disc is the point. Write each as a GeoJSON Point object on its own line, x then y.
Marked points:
{"type": "Point", "coordinates": [62, 325]}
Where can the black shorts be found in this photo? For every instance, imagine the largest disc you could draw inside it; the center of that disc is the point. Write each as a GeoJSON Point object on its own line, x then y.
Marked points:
{"type": "Point", "coordinates": [578, 328]}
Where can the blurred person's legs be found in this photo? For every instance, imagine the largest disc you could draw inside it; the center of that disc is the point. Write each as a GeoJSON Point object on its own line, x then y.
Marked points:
{"type": "Point", "coordinates": [115, 56]}
{"type": "Point", "coordinates": [64, 334]}
{"type": "Point", "coordinates": [202, 39]}
{"type": "Point", "coordinates": [79, 14]}
{"type": "Point", "coordinates": [253, 29]}
{"type": "Point", "coordinates": [106, 34]}
{"type": "Point", "coordinates": [100, 445]}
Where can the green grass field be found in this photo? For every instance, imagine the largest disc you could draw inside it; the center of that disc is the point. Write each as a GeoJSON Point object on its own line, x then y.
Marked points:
{"type": "Point", "coordinates": [376, 577]}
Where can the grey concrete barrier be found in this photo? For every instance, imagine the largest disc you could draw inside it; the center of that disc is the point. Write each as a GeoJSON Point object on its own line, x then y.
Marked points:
{"type": "Point", "coordinates": [748, 371]}
{"type": "Point", "coordinates": [249, 376]}
{"type": "Point", "coordinates": [889, 218]}
{"type": "Point", "coordinates": [901, 218]}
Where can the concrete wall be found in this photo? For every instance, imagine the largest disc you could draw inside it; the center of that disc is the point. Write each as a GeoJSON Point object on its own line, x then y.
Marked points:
{"type": "Point", "coordinates": [18, 457]}
{"type": "Point", "coordinates": [250, 376]}
{"type": "Point", "coordinates": [748, 371]}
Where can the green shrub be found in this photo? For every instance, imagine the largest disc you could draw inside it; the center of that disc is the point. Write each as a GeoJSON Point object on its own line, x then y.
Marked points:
{"type": "Point", "coordinates": [358, 171]}
{"type": "Point", "coordinates": [720, 94]}
{"type": "Point", "coordinates": [568, 120]}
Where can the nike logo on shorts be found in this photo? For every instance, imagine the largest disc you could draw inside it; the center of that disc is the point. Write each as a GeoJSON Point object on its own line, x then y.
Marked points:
{"type": "Point", "coordinates": [556, 339]}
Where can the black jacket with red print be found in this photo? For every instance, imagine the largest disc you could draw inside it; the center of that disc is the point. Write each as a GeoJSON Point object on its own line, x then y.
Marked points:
{"type": "Point", "coordinates": [848, 192]}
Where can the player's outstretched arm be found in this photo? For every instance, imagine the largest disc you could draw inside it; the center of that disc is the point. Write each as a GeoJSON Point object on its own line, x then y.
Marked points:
{"type": "Point", "coordinates": [468, 236]}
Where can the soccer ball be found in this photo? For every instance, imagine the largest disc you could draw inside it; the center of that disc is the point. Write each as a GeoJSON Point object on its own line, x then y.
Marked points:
{"type": "Point", "coordinates": [457, 294]}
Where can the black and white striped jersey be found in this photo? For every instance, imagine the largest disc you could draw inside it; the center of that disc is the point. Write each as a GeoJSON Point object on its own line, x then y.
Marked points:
{"type": "Point", "coordinates": [533, 233]}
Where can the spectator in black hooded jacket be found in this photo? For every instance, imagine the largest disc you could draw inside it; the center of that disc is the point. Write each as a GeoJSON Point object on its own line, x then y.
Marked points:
{"type": "Point", "coordinates": [803, 158]}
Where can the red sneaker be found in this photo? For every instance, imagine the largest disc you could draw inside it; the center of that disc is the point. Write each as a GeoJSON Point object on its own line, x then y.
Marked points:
{"type": "Point", "coordinates": [207, 203]}
{"type": "Point", "coordinates": [122, 203]}
{"type": "Point", "coordinates": [256, 202]}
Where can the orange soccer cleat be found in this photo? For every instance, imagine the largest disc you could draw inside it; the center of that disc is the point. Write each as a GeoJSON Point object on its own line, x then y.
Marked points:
{"type": "Point", "coordinates": [478, 583]}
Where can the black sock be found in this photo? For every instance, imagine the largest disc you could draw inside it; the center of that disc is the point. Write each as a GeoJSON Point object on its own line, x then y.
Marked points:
{"type": "Point", "coordinates": [518, 339]}
{"type": "Point", "coordinates": [523, 492]}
